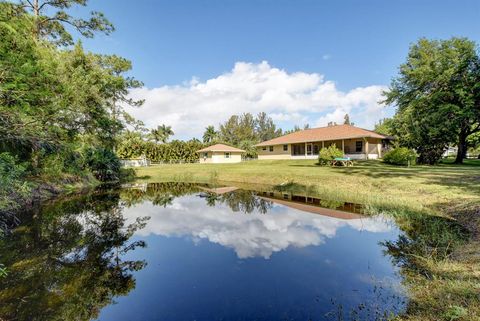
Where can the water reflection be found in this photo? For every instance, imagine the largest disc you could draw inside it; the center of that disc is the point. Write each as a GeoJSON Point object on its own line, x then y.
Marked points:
{"type": "Point", "coordinates": [66, 260]}
{"type": "Point", "coordinates": [288, 224]}
{"type": "Point", "coordinates": [214, 253]}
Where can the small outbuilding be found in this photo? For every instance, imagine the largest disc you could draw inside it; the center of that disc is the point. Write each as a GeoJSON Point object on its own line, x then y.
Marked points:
{"type": "Point", "coordinates": [220, 153]}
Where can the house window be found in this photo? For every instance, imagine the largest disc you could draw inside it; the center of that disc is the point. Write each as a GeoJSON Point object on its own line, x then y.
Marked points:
{"type": "Point", "coordinates": [205, 155]}
{"type": "Point", "coordinates": [270, 148]}
{"type": "Point", "coordinates": [264, 148]}
{"type": "Point", "coordinates": [358, 146]}
{"type": "Point", "coordinates": [227, 155]}
{"type": "Point", "coordinates": [285, 148]}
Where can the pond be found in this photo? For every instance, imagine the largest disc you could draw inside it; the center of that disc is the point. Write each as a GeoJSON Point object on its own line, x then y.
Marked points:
{"type": "Point", "coordinates": [178, 251]}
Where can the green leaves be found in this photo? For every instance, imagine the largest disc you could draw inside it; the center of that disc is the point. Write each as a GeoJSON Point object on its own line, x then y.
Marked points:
{"type": "Point", "coordinates": [437, 97]}
{"type": "Point", "coordinates": [55, 104]}
{"type": "Point", "coordinates": [51, 19]}
{"type": "Point", "coordinates": [326, 155]}
{"type": "Point", "coordinates": [246, 127]}
{"type": "Point", "coordinates": [400, 156]}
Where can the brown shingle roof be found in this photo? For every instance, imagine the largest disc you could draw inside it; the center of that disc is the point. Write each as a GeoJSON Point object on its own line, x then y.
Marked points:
{"type": "Point", "coordinates": [323, 134]}
{"type": "Point", "coordinates": [220, 148]}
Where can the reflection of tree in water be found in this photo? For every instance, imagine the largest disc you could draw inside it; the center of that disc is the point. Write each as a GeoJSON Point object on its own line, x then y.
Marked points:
{"type": "Point", "coordinates": [245, 202]}
{"type": "Point", "coordinates": [424, 236]}
{"type": "Point", "coordinates": [163, 194]}
{"type": "Point", "coordinates": [212, 198]}
{"type": "Point", "coordinates": [66, 261]}
{"type": "Point", "coordinates": [163, 200]}
{"type": "Point", "coordinates": [8, 221]}
{"type": "Point", "coordinates": [156, 192]}
{"type": "Point", "coordinates": [426, 239]}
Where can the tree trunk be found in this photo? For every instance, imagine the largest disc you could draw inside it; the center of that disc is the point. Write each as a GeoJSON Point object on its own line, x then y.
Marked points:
{"type": "Point", "coordinates": [36, 14]}
{"type": "Point", "coordinates": [462, 147]}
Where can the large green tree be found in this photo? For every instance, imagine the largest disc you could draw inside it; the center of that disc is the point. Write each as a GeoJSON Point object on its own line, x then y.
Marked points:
{"type": "Point", "coordinates": [210, 135]}
{"type": "Point", "coordinates": [385, 126]}
{"type": "Point", "coordinates": [437, 94]}
{"type": "Point", "coordinates": [266, 128]}
{"type": "Point", "coordinates": [51, 17]}
{"type": "Point", "coordinates": [61, 109]}
{"type": "Point", "coordinates": [248, 128]}
{"type": "Point", "coordinates": [161, 133]}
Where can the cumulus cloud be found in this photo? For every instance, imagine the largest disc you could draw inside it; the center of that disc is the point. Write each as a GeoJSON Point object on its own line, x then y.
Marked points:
{"type": "Point", "coordinates": [252, 235]}
{"type": "Point", "coordinates": [289, 97]}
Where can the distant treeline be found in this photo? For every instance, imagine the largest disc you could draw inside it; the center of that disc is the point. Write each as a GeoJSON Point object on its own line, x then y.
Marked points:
{"type": "Point", "coordinates": [175, 151]}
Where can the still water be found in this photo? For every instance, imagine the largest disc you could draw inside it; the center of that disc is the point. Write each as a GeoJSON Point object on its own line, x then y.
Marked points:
{"type": "Point", "coordinates": [176, 251]}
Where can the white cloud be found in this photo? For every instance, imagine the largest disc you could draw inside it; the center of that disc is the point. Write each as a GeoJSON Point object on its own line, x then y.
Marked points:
{"type": "Point", "coordinates": [290, 98]}
{"type": "Point", "coordinates": [252, 235]}
{"type": "Point", "coordinates": [326, 57]}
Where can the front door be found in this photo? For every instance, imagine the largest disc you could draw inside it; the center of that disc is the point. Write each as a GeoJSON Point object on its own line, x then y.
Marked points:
{"type": "Point", "coordinates": [309, 149]}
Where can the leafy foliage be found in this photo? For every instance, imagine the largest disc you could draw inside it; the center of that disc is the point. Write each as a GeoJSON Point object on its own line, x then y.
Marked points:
{"type": "Point", "coordinates": [327, 154]}
{"type": "Point", "coordinates": [246, 127]}
{"type": "Point", "coordinates": [103, 163]}
{"type": "Point", "coordinates": [57, 105]}
{"type": "Point", "coordinates": [210, 135]}
{"type": "Point", "coordinates": [161, 133]}
{"type": "Point", "coordinates": [51, 17]}
{"type": "Point", "coordinates": [76, 263]}
{"type": "Point", "coordinates": [385, 126]}
{"type": "Point", "coordinates": [175, 151]}
{"type": "Point", "coordinates": [400, 156]}
{"type": "Point", "coordinates": [438, 97]}
{"type": "Point", "coordinates": [3, 271]}
{"type": "Point", "coordinates": [13, 186]}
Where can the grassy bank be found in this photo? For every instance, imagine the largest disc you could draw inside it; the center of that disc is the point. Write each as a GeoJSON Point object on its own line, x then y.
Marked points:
{"type": "Point", "coordinates": [419, 188]}
{"type": "Point", "coordinates": [439, 260]}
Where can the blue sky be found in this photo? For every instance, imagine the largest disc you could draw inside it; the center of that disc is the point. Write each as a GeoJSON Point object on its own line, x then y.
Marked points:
{"type": "Point", "coordinates": [351, 44]}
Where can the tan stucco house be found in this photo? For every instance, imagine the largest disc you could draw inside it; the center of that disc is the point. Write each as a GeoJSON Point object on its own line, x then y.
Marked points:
{"type": "Point", "coordinates": [355, 142]}
{"type": "Point", "coordinates": [220, 153]}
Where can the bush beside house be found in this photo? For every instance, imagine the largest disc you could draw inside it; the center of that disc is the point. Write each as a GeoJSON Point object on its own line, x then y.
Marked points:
{"type": "Point", "coordinates": [326, 155]}
{"type": "Point", "coordinates": [400, 156]}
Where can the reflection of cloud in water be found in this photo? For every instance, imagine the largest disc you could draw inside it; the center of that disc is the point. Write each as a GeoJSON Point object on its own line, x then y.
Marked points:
{"type": "Point", "coordinates": [250, 235]}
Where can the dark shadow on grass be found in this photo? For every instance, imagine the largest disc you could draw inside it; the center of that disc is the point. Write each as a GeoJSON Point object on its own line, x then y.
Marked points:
{"type": "Point", "coordinates": [462, 176]}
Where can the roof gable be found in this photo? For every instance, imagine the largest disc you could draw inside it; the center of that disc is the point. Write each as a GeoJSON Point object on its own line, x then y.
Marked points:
{"type": "Point", "coordinates": [220, 148]}
{"type": "Point", "coordinates": [334, 132]}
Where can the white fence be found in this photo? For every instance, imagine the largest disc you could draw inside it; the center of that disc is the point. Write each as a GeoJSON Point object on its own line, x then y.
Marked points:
{"type": "Point", "coordinates": [137, 162]}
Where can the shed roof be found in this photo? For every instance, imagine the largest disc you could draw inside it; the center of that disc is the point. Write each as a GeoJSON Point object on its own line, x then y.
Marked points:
{"type": "Point", "coordinates": [220, 148]}
{"type": "Point", "coordinates": [334, 132]}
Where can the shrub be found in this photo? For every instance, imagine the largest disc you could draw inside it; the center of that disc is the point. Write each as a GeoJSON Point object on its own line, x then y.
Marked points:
{"type": "Point", "coordinates": [103, 163]}
{"type": "Point", "coordinates": [175, 151]}
{"type": "Point", "coordinates": [400, 156]}
{"type": "Point", "coordinates": [326, 155]}
{"type": "Point", "coordinates": [13, 187]}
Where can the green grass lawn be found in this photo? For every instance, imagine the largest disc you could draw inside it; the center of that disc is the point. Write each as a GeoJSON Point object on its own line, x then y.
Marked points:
{"type": "Point", "coordinates": [419, 188]}
{"type": "Point", "coordinates": [441, 262]}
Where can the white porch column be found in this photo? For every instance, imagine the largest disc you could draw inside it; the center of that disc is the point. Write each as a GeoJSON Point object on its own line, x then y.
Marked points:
{"type": "Point", "coordinates": [343, 146]}
{"type": "Point", "coordinates": [323, 144]}
{"type": "Point", "coordinates": [305, 150]}
{"type": "Point", "coordinates": [379, 150]}
{"type": "Point", "coordinates": [366, 148]}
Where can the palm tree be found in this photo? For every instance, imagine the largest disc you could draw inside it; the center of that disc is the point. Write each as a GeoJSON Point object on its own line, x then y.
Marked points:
{"type": "Point", "coordinates": [210, 134]}
{"type": "Point", "coordinates": [161, 133]}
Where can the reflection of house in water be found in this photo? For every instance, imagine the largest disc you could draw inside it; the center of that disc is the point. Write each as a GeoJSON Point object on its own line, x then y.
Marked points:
{"type": "Point", "coordinates": [138, 186]}
{"type": "Point", "coordinates": [340, 210]}
{"type": "Point", "coordinates": [345, 211]}
{"type": "Point", "coordinates": [219, 190]}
